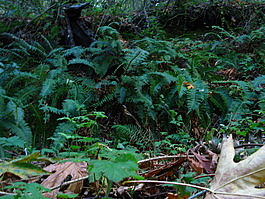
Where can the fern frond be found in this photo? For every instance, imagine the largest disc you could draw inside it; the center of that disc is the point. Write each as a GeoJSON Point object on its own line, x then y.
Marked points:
{"type": "Point", "coordinates": [11, 53]}
{"type": "Point", "coordinates": [164, 79]}
{"type": "Point", "coordinates": [109, 33]}
{"type": "Point", "coordinates": [55, 52]}
{"type": "Point", "coordinates": [21, 130]}
{"type": "Point", "coordinates": [72, 108]}
{"type": "Point", "coordinates": [48, 87]}
{"type": "Point", "coordinates": [134, 57]}
{"type": "Point", "coordinates": [82, 61]}
{"type": "Point", "coordinates": [26, 93]}
{"type": "Point", "coordinates": [14, 122]}
{"type": "Point", "coordinates": [196, 95]}
{"type": "Point", "coordinates": [50, 109]}
{"type": "Point", "coordinates": [121, 93]}
{"type": "Point", "coordinates": [106, 98]}
{"type": "Point", "coordinates": [258, 82]}
{"type": "Point", "coordinates": [2, 100]}
{"type": "Point", "coordinates": [237, 110]}
{"type": "Point", "coordinates": [133, 133]}
{"type": "Point", "coordinates": [220, 100]}
{"type": "Point", "coordinates": [162, 50]}
{"type": "Point", "coordinates": [77, 52]}
{"type": "Point", "coordinates": [47, 44]}
{"type": "Point", "coordinates": [59, 140]}
{"type": "Point", "coordinates": [166, 75]}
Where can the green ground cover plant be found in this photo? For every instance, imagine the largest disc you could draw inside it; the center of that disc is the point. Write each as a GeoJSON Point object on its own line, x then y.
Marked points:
{"type": "Point", "coordinates": [111, 104]}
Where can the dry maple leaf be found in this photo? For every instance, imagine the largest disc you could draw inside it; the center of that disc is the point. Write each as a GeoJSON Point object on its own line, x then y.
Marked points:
{"type": "Point", "coordinates": [62, 172]}
{"type": "Point", "coordinates": [238, 180]}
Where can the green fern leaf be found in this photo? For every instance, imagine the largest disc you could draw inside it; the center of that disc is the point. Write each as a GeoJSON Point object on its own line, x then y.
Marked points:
{"type": "Point", "coordinates": [77, 52]}
{"type": "Point", "coordinates": [219, 99]}
{"type": "Point", "coordinates": [82, 61]}
{"type": "Point", "coordinates": [72, 107]}
{"type": "Point", "coordinates": [258, 82]}
{"type": "Point", "coordinates": [21, 130]}
{"type": "Point", "coordinates": [135, 57]}
{"type": "Point", "coordinates": [48, 87]}
{"type": "Point", "coordinates": [196, 95]}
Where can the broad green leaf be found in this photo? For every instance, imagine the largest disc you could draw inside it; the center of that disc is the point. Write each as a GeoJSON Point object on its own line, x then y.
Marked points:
{"type": "Point", "coordinates": [114, 171]}
{"type": "Point", "coordinates": [28, 158]}
{"type": "Point", "coordinates": [22, 167]}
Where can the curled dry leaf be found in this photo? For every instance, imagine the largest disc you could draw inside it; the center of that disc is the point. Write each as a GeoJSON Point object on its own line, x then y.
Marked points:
{"type": "Point", "coordinates": [62, 172]}
{"type": "Point", "coordinates": [238, 180]}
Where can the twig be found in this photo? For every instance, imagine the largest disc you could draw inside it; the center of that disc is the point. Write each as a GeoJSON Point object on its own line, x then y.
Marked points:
{"type": "Point", "coordinates": [245, 145]}
{"type": "Point", "coordinates": [165, 157]}
{"type": "Point", "coordinates": [203, 176]}
{"type": "Point", "coordinates": [5, 193]}
{"type": "Point", "coordinates": [69, 182]}
{"type": "Point", "coordinates": [165, 182]}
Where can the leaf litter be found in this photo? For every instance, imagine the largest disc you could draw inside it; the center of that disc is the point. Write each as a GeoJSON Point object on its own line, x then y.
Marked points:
{"type": "Point", "coordinates": [232, 179]}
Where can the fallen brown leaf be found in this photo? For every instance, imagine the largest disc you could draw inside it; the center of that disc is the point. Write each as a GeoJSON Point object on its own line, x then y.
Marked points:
{"type": "Point", "coordinates": [204, 162]}
{"type": "Point", "coordinates": [63, 171]}
{"type": "Point", "coordinates": [238, 180]}
{"type": "Point", "coordinates": [196, 166]}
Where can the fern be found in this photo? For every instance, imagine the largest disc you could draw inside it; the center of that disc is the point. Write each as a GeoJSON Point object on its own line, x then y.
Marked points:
{"type": "Point", "coordinates": [106, 99]}
{"type": "Point", "coordinates": [258, 83]}
{"type": "Point", "coordinates": [77, 52]}
{"type": "Point", "coordinates": [220, 99]}
{"type": "Point", "coordinates": [48, 87]}
{"type": "Point", "coordinates": [159, 49]}
{"type": "Point", "coordinates": [197, 95]}
{"type": "Point", "coordinates": [2, 100]}
{"type": "Point", "coordinates": [25, 47]}
{"type": "Point", "coordinates": [237, 110]}
{"type": "Point", "coordinates": [30, 52]}
{"type": "Point", "coordinates": [14, 121]}
{"type": "Point", "coordinates": [110, 36]}
{"type": "Point", "coordinates": [158, 84]}
{"type": "Point", "coordinates": [134, 57]}
{"type": "Point", "coordinates": [72, 108]}
{"type": "Point", "coordinates": [59, 140]}
{"type": "Point", "coordinates": [12, 75]}
{"type": "Point", "coordinates": [82, 61]}
{"type": "Point", "coordinates": [134, 134]}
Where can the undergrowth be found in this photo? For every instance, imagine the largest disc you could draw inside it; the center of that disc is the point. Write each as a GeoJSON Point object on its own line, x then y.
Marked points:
{"type": "Point", "coordinates": [108, 103]}
{"type": "Point", "coordinates": [193, 79]}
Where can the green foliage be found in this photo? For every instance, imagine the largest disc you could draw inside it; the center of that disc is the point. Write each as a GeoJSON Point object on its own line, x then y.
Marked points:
{"type": "Point", "coordinates": [63, 195]}
{"type": "Point", "coordinates": [26, 191]}
{"type": "Point", "coordinates": [173, 143]}
{"type": "Point", "coordinates": [183, 81]}
{"type": "Point", "coordinates": [65, 131]}
{"type": "Point", "coordinates": [116, 166]}
{"type": "Point", "coordinates": [189, 178]}
{"type": "Point", "coordinates": [157, 95]}
{"type": "Point", "coordinates": [15, 143]}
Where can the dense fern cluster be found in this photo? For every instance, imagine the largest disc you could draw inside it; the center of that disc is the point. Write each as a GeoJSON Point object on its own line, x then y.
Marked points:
{"type": "Point", "coordinates": [176, 86]}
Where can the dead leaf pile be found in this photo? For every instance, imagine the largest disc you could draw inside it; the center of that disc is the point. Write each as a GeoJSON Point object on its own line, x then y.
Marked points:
{"type": "Point", "coordinates": [232, 180]}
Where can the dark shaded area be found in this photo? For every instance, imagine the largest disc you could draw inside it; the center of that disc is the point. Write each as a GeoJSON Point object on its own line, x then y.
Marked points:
{"type": "Point", "coordinates": [181, 19]}
{"type": "Point", "coordinates": [76, 32]}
